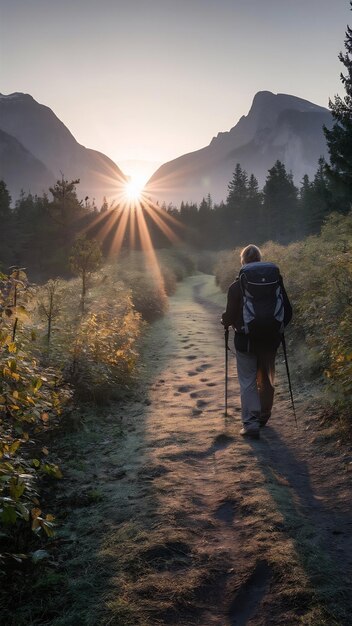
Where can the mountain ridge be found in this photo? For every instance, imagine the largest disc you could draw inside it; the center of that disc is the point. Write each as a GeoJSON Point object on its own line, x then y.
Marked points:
{"type": "Point", "coordinates": [41, 133]}
{"type": "Point", "coordinates": [278, 126]}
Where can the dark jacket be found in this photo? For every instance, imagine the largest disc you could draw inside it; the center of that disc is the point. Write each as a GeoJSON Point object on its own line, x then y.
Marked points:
{"type": "Point", "coordinates": [233, 316]}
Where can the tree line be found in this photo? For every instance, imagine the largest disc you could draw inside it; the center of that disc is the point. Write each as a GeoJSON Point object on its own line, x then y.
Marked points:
{"type": "Point", "coordinates": [280, 211]}
{"type": "Point", "coordinates": [39, 231]}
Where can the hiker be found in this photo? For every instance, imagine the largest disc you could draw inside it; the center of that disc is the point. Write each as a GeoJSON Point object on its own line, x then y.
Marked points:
{"type": "Point", "coordinates": [258, 309]}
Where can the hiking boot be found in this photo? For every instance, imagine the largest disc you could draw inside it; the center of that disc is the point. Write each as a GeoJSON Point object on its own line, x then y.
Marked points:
{"type": "Point", "coordinates": [251, 433]}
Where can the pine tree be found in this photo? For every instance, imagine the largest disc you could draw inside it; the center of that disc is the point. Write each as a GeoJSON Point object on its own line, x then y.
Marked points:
{"type": "Point", "coordinates": [280, 204]}
{"type": "Point", "coordinates": [305, 204]}
{"type": "Point", "coordinates": [205, 222]}
{"type": "Point", "coordinates": [209, 200]}
{"type": "Point", "coordinates": [204, 208]}
{"type": "Point", "coordinates": [5, 200]}
{"type": "Point", "coordinates": [321, 198]}
{"type": "Point", "coordinates": [339, 138]}
{"type": "Point", "coordinates": [254, 210]}
{"type": "Point", "coordinates": [237, 189]}
{"type": "Point", "coordinates": [66, 210]}
{"type": "Point", "coordinates": [5, 225]}
{"type": "Point", "coordinates": [36, 245]}
{"type": "Point", "coordinates": [236, 211]}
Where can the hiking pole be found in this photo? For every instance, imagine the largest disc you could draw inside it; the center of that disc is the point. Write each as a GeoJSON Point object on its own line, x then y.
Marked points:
{"type": "Point", "coordinates": [283, 340]}
{"type": "Point", "coordinates": [226, 334]}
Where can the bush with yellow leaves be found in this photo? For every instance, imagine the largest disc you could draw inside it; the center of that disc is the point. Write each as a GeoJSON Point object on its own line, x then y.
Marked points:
{"type": "Point", "coordinates": [31, 403]}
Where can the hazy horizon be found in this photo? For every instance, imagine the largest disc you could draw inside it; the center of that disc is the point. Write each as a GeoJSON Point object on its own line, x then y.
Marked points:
{"type": "Point", "coordinates": [148, 82]}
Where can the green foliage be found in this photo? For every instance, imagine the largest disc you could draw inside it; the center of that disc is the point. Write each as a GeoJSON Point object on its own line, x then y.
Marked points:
{"type": "Point", "coordinates": [147, 293]}
{"type": "Point", "coordinates": [85, 256]}
{"type": "Point", "coordinates": [237, 188]}
{"type": "Point", "coordinates": [30, 404]}
{"type": "Point", "coordinates": [180, 261]}
{"type": "Point", "coordinates": [95, 350]}
{"type": "Point", "coordinates": [49, 304]}
{"type": "Point", "coordinates": [151, 281]}
{"type": "Point", "coordinates": [339, 138]}
{"type": "Point", "coordinates": [5, 200]}
{"type": "Point", "coordinates": [280, 204]}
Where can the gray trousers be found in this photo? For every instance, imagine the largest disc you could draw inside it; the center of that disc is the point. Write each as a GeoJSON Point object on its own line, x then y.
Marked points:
{"type": "Point", "coordinates": [256, 374]}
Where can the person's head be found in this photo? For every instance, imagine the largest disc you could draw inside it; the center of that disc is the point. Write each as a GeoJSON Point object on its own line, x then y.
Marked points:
{"type": "Point", "coordinates": [250, 254]}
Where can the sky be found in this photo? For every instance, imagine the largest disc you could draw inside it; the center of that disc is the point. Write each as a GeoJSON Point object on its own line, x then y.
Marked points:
{"type": "Point", "coordinates": [150, 80]}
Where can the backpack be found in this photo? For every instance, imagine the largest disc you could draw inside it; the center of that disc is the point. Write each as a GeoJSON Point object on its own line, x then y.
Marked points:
{"type": "Point", "coordinates": [263, 302]}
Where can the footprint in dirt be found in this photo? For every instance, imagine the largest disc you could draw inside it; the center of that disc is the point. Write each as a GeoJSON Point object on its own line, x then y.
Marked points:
{"type": "Point", "coordinates": [226, 511]}
{"type": "Point", "coordinates": [222, 441]}
{"type": "Point", "coordinates": [203, 367]}
{"type": "Point", "coordinates": [211, 384]}
{"type": "Point", "coordinates": [191, 357]}
{"type": "Point", "coordinates": [192, 373]}
{"type": "Point", "coordinates": [185, 388]}
{"type": "Point", "coordinates": [202, 403]}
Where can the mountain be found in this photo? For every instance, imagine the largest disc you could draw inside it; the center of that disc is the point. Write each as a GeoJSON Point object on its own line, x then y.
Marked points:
{"type": "Point", "coordinates": [278, 126]}
{"type": "Point", "coordinates": [14, 158]}
{"type": "Point", "coordinates": [45, 148]}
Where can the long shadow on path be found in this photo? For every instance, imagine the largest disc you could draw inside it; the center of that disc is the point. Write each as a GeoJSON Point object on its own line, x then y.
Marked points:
{"type": "Point", "coordinates": [321, 534]}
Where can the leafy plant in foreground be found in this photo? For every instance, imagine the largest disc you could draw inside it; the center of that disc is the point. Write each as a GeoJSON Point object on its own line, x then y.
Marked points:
{"type": "Point", "coordinates": [30, 404]}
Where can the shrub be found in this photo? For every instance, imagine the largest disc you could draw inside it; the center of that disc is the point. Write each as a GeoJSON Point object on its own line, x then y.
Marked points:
{"type": "Point", "coordinates": [206, 261]}
{"type": "Point", "coordinates": [180, 261]}
{"type": "Point", "coordinates": [169, 280]}
{"type": "Point", "coordinates": [96, 351]}
{"type": "Point", "coordinates": [227, 268]}
{"type": "Point", "coordinates": [31, 403]}
{"type": "Point", "coordinates": [148, 296]}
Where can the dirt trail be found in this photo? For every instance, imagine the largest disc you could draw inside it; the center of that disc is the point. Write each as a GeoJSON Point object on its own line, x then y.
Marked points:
{"type": "Point", "coordinates": [199, 526]}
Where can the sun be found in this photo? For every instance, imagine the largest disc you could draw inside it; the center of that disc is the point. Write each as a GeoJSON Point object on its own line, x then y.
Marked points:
{"type": "Point", "coordinates": [133, 189]}
{"type": "Point", "coordinates": [133, 219]}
